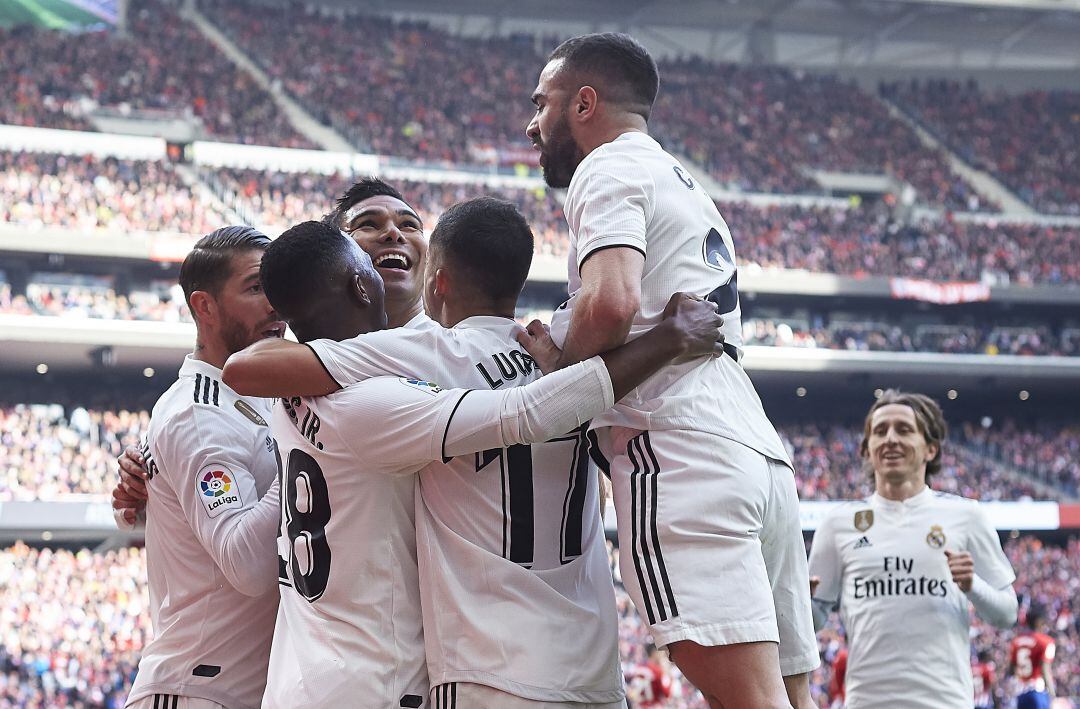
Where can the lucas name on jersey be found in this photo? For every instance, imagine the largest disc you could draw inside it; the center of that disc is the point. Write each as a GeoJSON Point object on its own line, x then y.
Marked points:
{"type": "Point", "coordinates": [507, 367]}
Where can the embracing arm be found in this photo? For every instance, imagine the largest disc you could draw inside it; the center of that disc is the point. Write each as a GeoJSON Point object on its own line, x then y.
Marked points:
{"type": "Point", "coordinates": [606, 304]}
{"type": "Point", "coordinates": [277, 368]}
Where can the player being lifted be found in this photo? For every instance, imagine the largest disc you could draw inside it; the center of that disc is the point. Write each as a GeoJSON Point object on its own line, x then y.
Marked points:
{"type": "Point", "coordinates": [711, 548]}
{"type": "Point", "coordinates": [906, 564]}
{"type": "Point", "coordinates": [1031, 654]}
{"type": "Point", "coordinates": [213, 506]}
{"type": "Point", "coordinates": [349, 622]}
{"type": "Point", "coordinates": [533, 620]}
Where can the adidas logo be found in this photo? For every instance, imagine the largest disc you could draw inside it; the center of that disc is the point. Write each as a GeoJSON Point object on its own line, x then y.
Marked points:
{"type": "Point", "coordinates": [862, 543]}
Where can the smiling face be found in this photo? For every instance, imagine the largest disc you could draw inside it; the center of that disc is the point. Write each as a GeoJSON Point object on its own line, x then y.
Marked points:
{"type": "Point", "coordinates": [393, 235]}
{"type": "Point", "coordinates": [244, 315]}
{"type": "Point", "coordinates": [896, 447]}
{"type": "Point", "coordinates": [549, 130]}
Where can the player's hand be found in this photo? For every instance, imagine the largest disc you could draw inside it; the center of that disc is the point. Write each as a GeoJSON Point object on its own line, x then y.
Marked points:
{"type": "Point", "coordinates": [133, 473]}
{"type": "Point", "coordinates": [962, 568]}
{"type": "Point", "coordinates": [815, 581]}
{"type": "Point", "coordinates": [126, 508]}
{"type": "Point", "coordinates": [536, 339]}
{"type": "Point", "coordinates": [697, 324]}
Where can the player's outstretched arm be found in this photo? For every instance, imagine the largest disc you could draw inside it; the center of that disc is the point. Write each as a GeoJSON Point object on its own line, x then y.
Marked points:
{"type": "Point", "coordinates": [605, 307]}
{"type": "Point", "coordinates": [271, 368]}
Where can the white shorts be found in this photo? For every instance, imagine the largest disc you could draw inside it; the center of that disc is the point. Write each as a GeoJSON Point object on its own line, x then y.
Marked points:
{"type": "Point", "coordinates": [172, 701]}
{"type": "Point", "coordinates": [710, 544]}
{"type": "Point", "coordinates": [466, 695]}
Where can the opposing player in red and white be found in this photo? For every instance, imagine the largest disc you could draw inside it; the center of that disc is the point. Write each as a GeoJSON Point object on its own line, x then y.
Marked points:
{"type": "Point", "coordinates": [982, 681]}
{"type": "Point", "coordinates": [213, 503]}
{"type": "Point", "coordinates": [711, 547]}
{"type": "Point", "coordinates": [1031, 654]}
{"type": "Point", "coordinates": [906, 566]}
{"type": "Point", "coordinates": [349, 622]}
{"type": "Point", "coordinates": [649, 684]}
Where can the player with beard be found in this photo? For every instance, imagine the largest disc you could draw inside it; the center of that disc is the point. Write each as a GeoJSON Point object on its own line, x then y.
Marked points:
{"type": "Point", "coordinates": [348, 628]}
{"type": "Point", "coordinates": [906, 566]}
{"type": "Point", "coordinates": [709, 534]}
{"type": "Point", "coordinates": [214, 503]}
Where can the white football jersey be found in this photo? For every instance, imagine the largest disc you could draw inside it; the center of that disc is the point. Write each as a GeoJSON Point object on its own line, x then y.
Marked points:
{"type": "Point", "coordinates": [630, 193]}
{"type": "Point", "coordinates": [209, 542]}
{"type": "Point", "coordinates": [517, 592]}
{"type": "Point", "coordinates": [906, 621]}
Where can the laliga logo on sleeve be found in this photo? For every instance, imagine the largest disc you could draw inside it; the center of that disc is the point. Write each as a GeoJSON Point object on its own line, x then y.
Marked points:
{"type": "Point", "coordinates": [219, 493]}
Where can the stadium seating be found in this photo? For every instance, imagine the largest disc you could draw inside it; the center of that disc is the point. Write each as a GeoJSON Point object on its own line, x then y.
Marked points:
{"type": "Point", "coordinates": [89, 194]}
{"type": "Point", "coordinates": [165, 67]}
{"type": "Point", "coordinates": [1027, 140]}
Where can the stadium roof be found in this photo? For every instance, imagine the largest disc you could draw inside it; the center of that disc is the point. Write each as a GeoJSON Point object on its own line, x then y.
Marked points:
{"type": "Point", "coordinates": [1032, 34]}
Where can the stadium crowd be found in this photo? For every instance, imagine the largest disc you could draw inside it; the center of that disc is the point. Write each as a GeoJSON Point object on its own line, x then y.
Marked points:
{"type": "Point", "coordinates": [1050, 453]}
{"type": "Point", "coordinates": [891, 337]}
{"type": "Point", "coordinates": [1027, 140]}
{"type": "Point", "coordinates": [89, 194]}
{"type": "Point", "coordinates": [165, 67]}
{"type": "Point", "coordinates": [90, 621]}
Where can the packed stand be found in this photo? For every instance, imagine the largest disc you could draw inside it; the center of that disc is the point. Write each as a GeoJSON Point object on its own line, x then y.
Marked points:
{"type": "Point", "coordinates": [47, 453]}
{"type": "Point", "coordinates": [96, 194]}
{"type": "Point", "coordinates": [1049, 452]}
{"type": "Point", "coordinates": [277, 200]}
{"type": "Point", "coordinates": [72, 626]}
{"type": "Point", "coordinates": [760, 128]}
{"type": "Point", "coordinates": [54, 79]}
{"type": "Point", "coordinates": [406, 90]}
{"type": "Point", "coordinates": [866, 241]}
{"type": "Point", "coordinates": [870, 336]}
{"type": "Point", "coordinates": [1030, 141]}
{"type": "Point", "coordinates": [828, 467]}
{"type": "Point", "coordinates": [103, 303]}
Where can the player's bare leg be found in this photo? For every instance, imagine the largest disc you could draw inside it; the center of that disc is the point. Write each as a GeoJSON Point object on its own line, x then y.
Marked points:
{"type": "Point", "coordinates": [741, 676]}
{"type": "Point", "coordinates": [798, 691]}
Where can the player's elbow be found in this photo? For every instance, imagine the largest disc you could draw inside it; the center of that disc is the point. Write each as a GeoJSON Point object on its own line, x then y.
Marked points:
{"type": "Point", "coordinates": [615, 312]}
{"type": "Point", "coordinates": [240, 374]}
{"type": "Point", "coordinates": [253, 581]}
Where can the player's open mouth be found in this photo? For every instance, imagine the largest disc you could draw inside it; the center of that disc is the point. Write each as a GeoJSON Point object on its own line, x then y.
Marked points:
{"type": "Point", "coordinates": [394, 260]}
{"type": "Point", "coordinates": [275, 330]}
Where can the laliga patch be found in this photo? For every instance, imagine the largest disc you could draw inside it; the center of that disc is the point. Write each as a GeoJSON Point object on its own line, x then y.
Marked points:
{"type": "Point", "coordinates": [864, 520]}
{"type": "Point", "coordinates": [249, 413]}
{"type": "Point", "coordinates": [426, 387]}
{"type": "Point", "coordinates": [217, 489]}
{"type": "Point", "coordinates": [936, 537]}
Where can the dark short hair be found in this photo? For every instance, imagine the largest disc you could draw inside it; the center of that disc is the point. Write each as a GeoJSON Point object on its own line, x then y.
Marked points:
{"type": "Point", "coordinates": [365, 188]}
{"type": "Point", "coordinates": [928, 417]}
{"type": "Point", "coordinates": [616, 65]}
{"type": "Point", "coordinates": [209, 263]}
{"type": "Point", "coordinates": [488, 240]}
{"type": "Point", "coordinates": [301, 265]}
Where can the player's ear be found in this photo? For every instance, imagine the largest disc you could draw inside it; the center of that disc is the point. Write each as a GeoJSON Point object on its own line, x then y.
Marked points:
{"type": "Point", "coordinates": [441, 284]}
{"type": "Point", "coordinates": [358, 291]}
{"type": "Point", "coordinates": [932, 451]}
{"type": "Point", "coordinates": [584, 103]}
{"type": "Point", "coordinates": [203, 307]}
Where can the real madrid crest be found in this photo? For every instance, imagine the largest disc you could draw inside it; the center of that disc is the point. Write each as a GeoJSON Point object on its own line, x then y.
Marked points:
{"type": "Point", "coordinates": [936, 537]}
{"type": "Point", "coordinates": [864, 520]}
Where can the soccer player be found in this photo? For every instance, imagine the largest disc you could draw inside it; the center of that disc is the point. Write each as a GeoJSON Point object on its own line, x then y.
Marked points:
{"type": "Point", "coordinates": [905, 566]}
{"type": "Point", "coordinates": [534, 620]}
{"type": "Point", "coordinates": [711, 547]}
{"type": "Point", "coordinates": [349, 623]}
{"type": "Point", "coordinates": [982, 680]}
{"type": "Point", "coordinates": [1031, 654]}
{"type": "Point", "coordinates": [214, 503]}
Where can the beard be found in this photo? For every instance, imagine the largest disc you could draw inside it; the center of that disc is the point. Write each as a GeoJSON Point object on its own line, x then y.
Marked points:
{"type": "Point", "coordinates": [236, 336]}
{"type": "Point", "coordinates": [560, 154]}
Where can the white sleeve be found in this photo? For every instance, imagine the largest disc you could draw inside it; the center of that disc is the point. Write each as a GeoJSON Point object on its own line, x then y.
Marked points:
{"type": "Point", "coordinates": [985, 548]}
{"type": "Point", "coordinates": [398, 352]}
{"type": "Point", "coordinates": [997, 606]}
{"type": "Point", "coordinates": [417, 422]}
{"type": "Point", "coordinates": [825, 563]}
{"type": "Point", "coordinates": [534, 413]}
{"type": "Point", "coordinates": [237, 529]}
{"type": "Point", "coordinates": [610, 206]}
